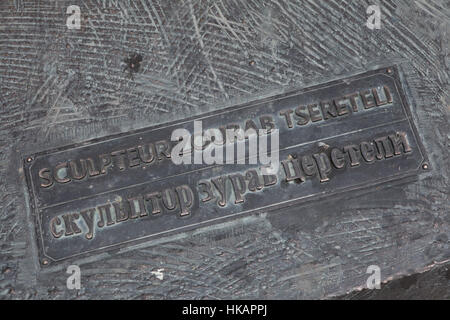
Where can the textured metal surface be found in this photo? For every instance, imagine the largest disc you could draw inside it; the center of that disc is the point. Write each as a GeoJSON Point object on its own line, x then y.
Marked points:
{"type": "Point", "coordinates": [60, 87]}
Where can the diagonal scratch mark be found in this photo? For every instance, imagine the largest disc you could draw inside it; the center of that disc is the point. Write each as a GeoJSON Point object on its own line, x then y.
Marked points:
{"type": "Point", "coordinates": [202, 45]}
{"type": "Point", "coordinates": [225, 21]}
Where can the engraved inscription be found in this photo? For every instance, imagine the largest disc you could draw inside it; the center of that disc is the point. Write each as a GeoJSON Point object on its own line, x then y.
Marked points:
{"type": "Point", "coordinates": [141, 155]}
{"type": "Point", "coordinates": [345, 135]}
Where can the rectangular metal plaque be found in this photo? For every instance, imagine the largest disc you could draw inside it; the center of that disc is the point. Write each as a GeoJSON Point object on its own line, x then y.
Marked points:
{"type": "Point", "coordinates": [340, 136]}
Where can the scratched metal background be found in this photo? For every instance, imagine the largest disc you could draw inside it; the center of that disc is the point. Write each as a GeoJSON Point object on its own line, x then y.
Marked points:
{"type": "Point", "coordinates": [60, 86]}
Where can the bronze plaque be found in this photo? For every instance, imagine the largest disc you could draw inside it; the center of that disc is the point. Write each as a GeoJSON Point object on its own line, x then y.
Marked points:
{"type": "Point", "coordinates": [341, 136]}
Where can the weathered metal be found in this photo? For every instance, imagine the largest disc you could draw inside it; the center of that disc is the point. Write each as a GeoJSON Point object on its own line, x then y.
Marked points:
{"type": "Point", "coordinates": [135, 64]}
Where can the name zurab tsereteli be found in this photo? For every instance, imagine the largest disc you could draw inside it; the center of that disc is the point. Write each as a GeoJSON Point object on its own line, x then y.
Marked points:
{"type": "Point", "coordinates": [234, 309]}
{"type": "Point", "coordinates": [181, 199]}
